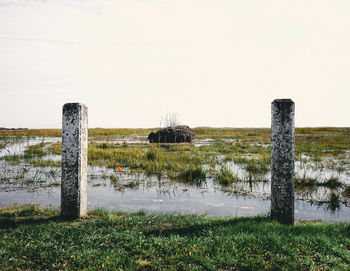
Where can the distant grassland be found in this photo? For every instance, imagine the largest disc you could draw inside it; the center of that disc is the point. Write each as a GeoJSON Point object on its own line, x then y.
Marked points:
{"type": "Point", "coordinates": [308, 140]}
{"type": "Point", "coordinates": [322, 132]}
{"type": "Point", "coordinates": [58, 132]}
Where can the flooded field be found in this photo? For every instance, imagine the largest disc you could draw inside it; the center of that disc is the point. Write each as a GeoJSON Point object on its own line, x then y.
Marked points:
{"type": "Point", "coordinates": [223, 172]}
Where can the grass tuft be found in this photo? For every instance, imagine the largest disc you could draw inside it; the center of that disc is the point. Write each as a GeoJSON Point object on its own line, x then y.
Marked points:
{"type": "Point", "coordinates": [225, 177]}
{"type": "Point", "coordinates": [192, 175]}
{"type": "Point", "coordinates": [332, 183]}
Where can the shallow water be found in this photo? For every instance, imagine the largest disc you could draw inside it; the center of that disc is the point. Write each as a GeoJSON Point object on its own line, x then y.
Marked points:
{"type": "Point", "coordinates": [122, 140]}
{"type": "Point", "coordinates": [182, 200]}
{"type": "Point", "coordinates": [26, 184]}
{"type": "Point", "coordinates": [144, 140]}
{"type": "Point", "coordinates": [17, 146]}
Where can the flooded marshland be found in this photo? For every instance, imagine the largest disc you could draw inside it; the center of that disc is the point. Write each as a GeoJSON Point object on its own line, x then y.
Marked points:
{"type": "Point", "coordinates": [223, 172]}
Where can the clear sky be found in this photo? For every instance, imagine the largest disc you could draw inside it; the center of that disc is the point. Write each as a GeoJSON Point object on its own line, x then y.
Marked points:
{"type": "Point", "coordinates": [213, 62]}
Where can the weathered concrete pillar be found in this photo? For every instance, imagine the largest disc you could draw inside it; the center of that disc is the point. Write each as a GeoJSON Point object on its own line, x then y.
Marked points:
{"type": "Point", "coordinates": [282, 161]}
{"type": "Point", "coordinates": [74, 160]}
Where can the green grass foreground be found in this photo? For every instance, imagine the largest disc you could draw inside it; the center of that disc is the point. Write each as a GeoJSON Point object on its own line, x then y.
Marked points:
{"type": "Point", "coordinates": [32, 238]}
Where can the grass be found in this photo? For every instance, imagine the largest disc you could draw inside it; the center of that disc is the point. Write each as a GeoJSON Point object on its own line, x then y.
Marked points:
{"type": "Point", "coordinates": [31, 133]}
{"type": "Point", "coordinates": [3, 145]}
{"type": "Point", "coordinates": [38, 239]}
{"type": "Point", "coordinates": [346, 191]}
{"type": "Point", "coordinates": [152, 159]}
{"type": "Point", "coordinates": [192, 175]}
{"type": "Point", "coordinates": [332, 182]}
{"type": "Point", "coordinates": [225, 177]}
{"type": "Point", "coordinates": [44, 163]}
{"type": "Point", "coordinates": [305, 181]}
{"type": "Point", "coordinates": [55, 148]}
{"type": "Point", "coordinates": [257, 167]}
{"type": "Point", "coordinates": [34, 151]}
{"type": "Point", "coordinates": [12, 159]}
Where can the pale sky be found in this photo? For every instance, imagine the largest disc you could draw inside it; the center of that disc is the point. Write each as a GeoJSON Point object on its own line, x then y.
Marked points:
{"type": "Point", "coordinates": [214, 63]}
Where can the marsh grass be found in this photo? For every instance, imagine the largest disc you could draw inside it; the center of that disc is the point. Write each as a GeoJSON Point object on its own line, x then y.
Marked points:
{"type": "Point", "coordinates": [306, 181]}
{"type": "Point", "coordinates": [3, 145]}
{"type": "Point", "coordinates": [39, 239]}
{"type": "Point", "coordinates": [152, 155]}
{"type": "Point", "coordinates": [225, 177]}
{"type": "Point", "coordinates": [44, 163]}
{"type": "Point", "coordinates": [31, 133]}
{"type": "Point", "coordinates": [152, 159]}
{"type": "Point", "coordinates": [333, 202]}
{"type": "Point", "coordinates": [323, 148]}
{"type": "Point", "coordinates": [332, 182]}
{"type": "Point", "coordinates": [346, 191]}
{"type": "Point", "coordinates": [35, 151]}
{"type": "Point", "coordinates": [192, 175]}
{"type": "Point", "coordinates": [257, 167]}
{"type": "Point", "coordinates": [33, 155]}
{"type": "Point", "coordinates": [114, 179]}
{"type": "Point", "coordinates": [55, 148]}
{"type": "Point", "coordinates": [327, 138]}
{"type": "Point", "coordinates": [12, 159]}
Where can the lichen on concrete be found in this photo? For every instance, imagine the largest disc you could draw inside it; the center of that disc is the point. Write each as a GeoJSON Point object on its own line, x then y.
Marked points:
{"type": "Point", "coordinates": [74, 160]}
{"type": "Point", "coordinates": [282, 160]}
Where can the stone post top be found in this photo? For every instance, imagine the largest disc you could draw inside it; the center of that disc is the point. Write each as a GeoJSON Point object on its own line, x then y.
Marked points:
{"type": "Point", "coordinates": [74, 105]}
{"type": "Point", "coordinates": [289, 101]}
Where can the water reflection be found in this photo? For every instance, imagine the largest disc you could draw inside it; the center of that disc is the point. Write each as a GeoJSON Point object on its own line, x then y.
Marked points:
{"type": "Point", "coordinates": [178, 199]}
{"type": "Point", "coordinates": [27, 184]}
{"type": "Point", "coordinates": [17, 146]}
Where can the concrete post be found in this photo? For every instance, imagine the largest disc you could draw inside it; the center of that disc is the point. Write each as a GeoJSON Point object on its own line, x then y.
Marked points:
{"type": "Point", "coordinates": [74, 160]}
{"type": "Point", "coordinates": [282, 161]}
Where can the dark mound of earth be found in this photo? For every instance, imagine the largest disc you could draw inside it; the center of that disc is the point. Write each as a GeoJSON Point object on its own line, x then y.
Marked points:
{"type": "Point", "coordinates": [173, 134]}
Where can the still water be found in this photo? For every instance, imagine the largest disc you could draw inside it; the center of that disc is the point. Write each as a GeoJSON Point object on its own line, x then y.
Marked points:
{"type": "Point", "coordinates": [179, 199]}
{"type": "Point", "coordinates": [155, 195]}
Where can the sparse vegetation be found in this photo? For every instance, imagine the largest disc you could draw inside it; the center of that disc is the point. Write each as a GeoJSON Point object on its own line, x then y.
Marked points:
{"type": "Point", "coordinates": [225, 177]}
{"type": "Point", "coordinates": [346, 191]}
{"type": "Point", "coordinates": [193, 175]}
{"type": "Point", "coordinates": [332, 183]}
{"type": "Point", "coordinates": [317, 149]}
{"type": "Point", "coordinates": [35, 151]}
